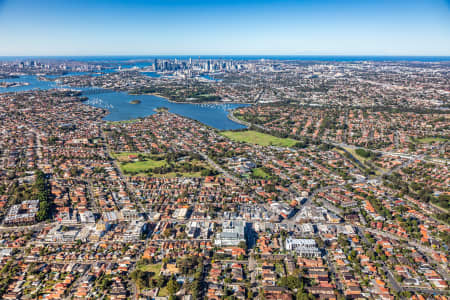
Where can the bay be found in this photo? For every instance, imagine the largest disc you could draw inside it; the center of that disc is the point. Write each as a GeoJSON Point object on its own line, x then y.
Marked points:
{"type": "Point", "coordinates": [120, 109]}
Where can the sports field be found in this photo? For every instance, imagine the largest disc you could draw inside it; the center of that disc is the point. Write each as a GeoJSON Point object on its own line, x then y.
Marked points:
{"type": "Point", "coordinates": [258, 138]}
{"type": "Point", "coordinates": [429, 140]}
{"type": "Point", "coordinates": [142, 166]}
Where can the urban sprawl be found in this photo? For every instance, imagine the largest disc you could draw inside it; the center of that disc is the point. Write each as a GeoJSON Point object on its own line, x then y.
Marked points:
{"type": "Point", "coordinates": [338, 188]}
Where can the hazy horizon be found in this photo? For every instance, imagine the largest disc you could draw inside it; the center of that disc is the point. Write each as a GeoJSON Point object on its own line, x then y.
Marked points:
{"type": "Point", "coordinates": [195, 56]}
{"type": "Point", "coordinates": [200, 27]}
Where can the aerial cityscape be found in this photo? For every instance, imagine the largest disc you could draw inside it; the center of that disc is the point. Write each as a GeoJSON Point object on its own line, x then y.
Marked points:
{"type": "Point", "coordinates": [195, 173]}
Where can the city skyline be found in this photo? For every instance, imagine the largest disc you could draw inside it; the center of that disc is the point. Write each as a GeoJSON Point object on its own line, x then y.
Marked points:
{"type": "Point", "coordinates": [413, 28]}
{"type": "Point", "coordinates": [222, 150]}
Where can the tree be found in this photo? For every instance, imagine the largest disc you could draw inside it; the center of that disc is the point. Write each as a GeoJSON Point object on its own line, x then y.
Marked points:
{"type": "Point", "coordinates": [42, 194]}
{"type": "Point", "coordinates": [243, 245]}
{"type": "Point", "coordinates": [160, 280]}
{"type": "Point", "coordinates": [173, 286]}
{"type": "Point", "coordinates": [301, 295]}
{"type": "Point", "coordinates": [167, 232]}
{"type": "Point", "coordinates": [188, 265]}
{"type": "Point", "coordinates": [195, 289]}
{"type": "Point", "coordinates": [291, 282]}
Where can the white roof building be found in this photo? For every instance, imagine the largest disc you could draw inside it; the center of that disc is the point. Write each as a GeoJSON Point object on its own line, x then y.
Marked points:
{"type": "Point", "coordinates": [304, 247]}
{"type": "Point", "coordinates": [233, 232]}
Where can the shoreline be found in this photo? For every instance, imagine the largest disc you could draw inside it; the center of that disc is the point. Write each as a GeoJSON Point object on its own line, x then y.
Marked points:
{"type": "Point", "coordinates": [236, 120]}
{"type": "Point", "coordinates": [229, 115]}
{"type": "Point", "coordinates": [191, 102]}
{"type": "Point", "coordinates": [153, 94]}
{"type": "Point", "coordinates": [84, 99]}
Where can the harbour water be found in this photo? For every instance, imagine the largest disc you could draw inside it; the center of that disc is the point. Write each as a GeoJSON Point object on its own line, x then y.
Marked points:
{"type": "Point", "coordinates": [33, 83]}
{"type": "Point", "coordinates": [120, 108]}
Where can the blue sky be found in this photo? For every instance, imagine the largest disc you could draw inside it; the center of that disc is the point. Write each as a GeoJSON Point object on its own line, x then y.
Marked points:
{"type": "Point", "coordinates": [174, 27]}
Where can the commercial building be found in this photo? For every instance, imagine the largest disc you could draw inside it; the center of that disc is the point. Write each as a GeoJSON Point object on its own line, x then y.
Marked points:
{"type": "Point", "coordinates": [233, 233]}
{"type": "Point", "coordinates": [24, 213]}
{"type": "Point", "coordinates": [283, 209]}
{"type": "Point", "coordinates": [303, 247]}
